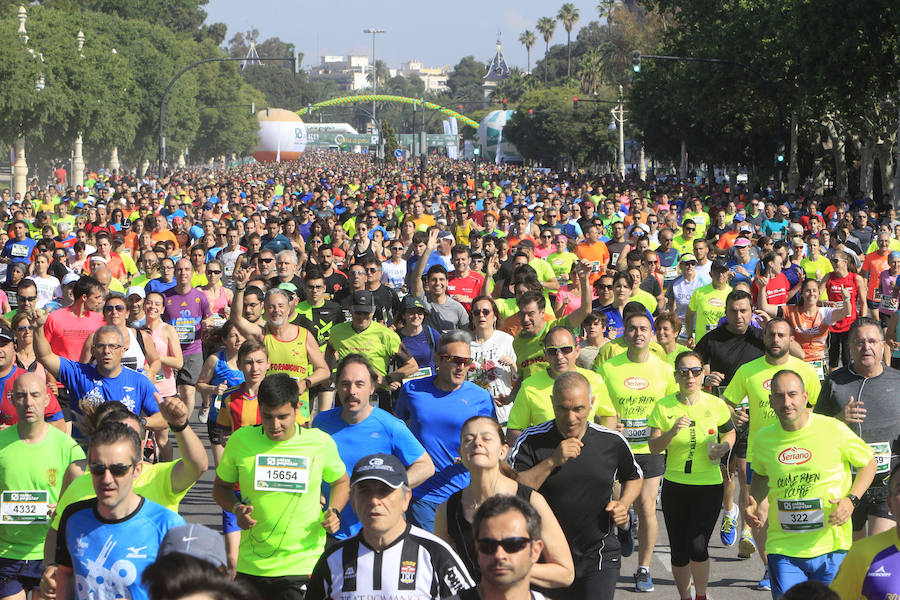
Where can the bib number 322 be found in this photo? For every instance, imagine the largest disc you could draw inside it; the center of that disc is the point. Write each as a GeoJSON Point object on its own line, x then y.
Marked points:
{"type": "Point", "coordinates": [804, 514]}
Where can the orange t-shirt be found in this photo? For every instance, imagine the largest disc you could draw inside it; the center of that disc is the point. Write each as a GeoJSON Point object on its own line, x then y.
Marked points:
{"type": "Point", "coordinates": [874, 264]}
{"type": "Point", "coordinates": [809, 332]}
{"type": "Point", "coordinates": [597, 254]}
{"type": "Point", "coordinates": [161, 236]}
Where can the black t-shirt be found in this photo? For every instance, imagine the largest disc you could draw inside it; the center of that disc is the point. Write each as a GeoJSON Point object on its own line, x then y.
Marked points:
{"type": "Point", "coordinates": [323, 319]}
{"type": "Point", "coordinates": [334, 283]}
{"type": "Point", "coordinates": [725, 352]}
{"type": "Point", "coordinates": [579, 491]}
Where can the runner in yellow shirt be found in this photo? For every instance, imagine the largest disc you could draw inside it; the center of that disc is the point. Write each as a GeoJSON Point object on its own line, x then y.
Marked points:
{"type": "Point", "coordinates": [749, 390]}
{"type": "Point", "coordinates": [802, 468]}
{"type": "Point", "coordinates": [636, 380]}
{"type": "Point", "coordinates": [707, 305]}
{"type": "Point", "coordinates": [533, 404]}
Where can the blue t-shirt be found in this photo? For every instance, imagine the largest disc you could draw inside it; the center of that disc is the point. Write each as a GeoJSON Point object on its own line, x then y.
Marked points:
{"type": "Point", "coordinates": [155, 285]}
{"type": "Point", "coordinates": [436, 418]}
{"type": "Point", "coordinates": [615, 326]}
{"type": "Point", "coordinates": [750, 267]}
{"type": "Point", "coordinates": [19, 252]}
{"type": "Point", "coordinates": [109, 557]}
{"type": "Point", "coordinates": [433, 259]}
{"type": "Point", "coordinates": [423, 346]}
{"type": "Point", "coordinates": [380, 432]}
{"type": "Point", "coordinates": [231, 377]}
{"type": "Point", "coordinates": [129, 387]}
{"type": "Point", "coordinates": [774, 228]}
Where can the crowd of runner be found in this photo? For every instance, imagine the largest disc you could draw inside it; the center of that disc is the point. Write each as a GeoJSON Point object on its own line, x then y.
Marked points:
{"type": "Point", "coordinates": [480, 383]}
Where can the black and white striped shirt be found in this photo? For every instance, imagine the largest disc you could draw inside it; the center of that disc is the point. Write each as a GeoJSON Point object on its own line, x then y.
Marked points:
{"type": "Point", "coordinates": [417, 565]}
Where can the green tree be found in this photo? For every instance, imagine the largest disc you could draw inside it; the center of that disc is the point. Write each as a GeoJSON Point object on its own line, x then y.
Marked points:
{"type": "Point", "coordinates": [464, 81]}
{"type": "Point", "coordinates": [528, 39]}
{"type": "Point", "coordinates": [606, 8]}
{"type": "Point", "coordinates": [546, 26]}
{"type": "Point", "coordinates": [590, 71]}
{"type": "Point", "coordinates": [568, 15]}
{"type": "Point", "coordinates": [390, 142]}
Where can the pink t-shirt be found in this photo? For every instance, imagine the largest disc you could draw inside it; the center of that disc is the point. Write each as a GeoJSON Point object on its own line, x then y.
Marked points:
{"type": "Point", "coordinates": [67, 332]}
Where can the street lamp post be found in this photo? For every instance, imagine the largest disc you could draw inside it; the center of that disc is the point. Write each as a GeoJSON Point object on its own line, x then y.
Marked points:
{"type": "Point", "coordinates": [78, 158]}
{"type": "Point", "coordinates": [374, 32]}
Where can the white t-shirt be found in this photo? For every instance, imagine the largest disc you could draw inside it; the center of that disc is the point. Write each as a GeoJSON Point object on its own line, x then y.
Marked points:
{"type": "Point", "coordinates": [48, 288]}
{"type": "Point", "coordinates": [681, 291]}
{"type": "Point", "coordinates": [489, 373]}
{"type": "Point", "coordinates": [228, 260]}
{"type": "Point", "coordinates": [394, 275]}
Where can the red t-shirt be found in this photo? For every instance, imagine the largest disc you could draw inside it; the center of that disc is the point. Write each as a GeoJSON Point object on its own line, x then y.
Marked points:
{"type": "Point", "coordinates": [468, 286]}
{"type": "Point", "coordinates": [67, 332]}
{"type": "Point", "coordinates": [8, 414]}
{"type": "Point", "coordinates": [776, 290]}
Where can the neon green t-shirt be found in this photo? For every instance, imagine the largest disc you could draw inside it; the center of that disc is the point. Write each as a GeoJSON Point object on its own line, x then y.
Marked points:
{"type": "Point", "coordinates": [620, 346]}
{"type": "Point", "coordinates": [645, 298]}
{"type": "Point", "coordinates": [533, 404]}
{"type": "Point", "coordinates": [817, 269]}
{"type": "Point", "coordinates": [671, 356]}
{"type": "Point", "coordinates": [684, 246]}
{"type": "Point", "coordinates": [288, 536]}
{"type": "Point", "coordinates": [543, 269]}
{"type": "Point", "coordinates": [31, 467]}
{"type": "Point", "coordinates": [687, 459]}
{"type": "Point", "coordinates": [700, 219]}
{"type": "Point", "coordinates": [753, 381]}
{"type": "Point", "coordinates": [806, 469]}
{"type": "Point", "coordinates": [530, 349]}
{"type": "Point", "coordinates": [376, 342]}
{"type": "Point", "coordinates": [708, 305]}
{"type": "Point", "coordinates": [634, 388]}
{"type": "Point", "coordinates": [561, 262]}
{"type": "Point", "coordinates": [154, 483]}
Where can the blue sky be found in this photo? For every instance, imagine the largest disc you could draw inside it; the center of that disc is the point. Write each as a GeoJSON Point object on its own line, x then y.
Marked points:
{"type": "Point", "coordinates": [436, 33]}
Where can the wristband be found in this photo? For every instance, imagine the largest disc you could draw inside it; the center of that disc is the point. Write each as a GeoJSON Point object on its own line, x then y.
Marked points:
{"type": "Point", "coordinates": [179, 429]}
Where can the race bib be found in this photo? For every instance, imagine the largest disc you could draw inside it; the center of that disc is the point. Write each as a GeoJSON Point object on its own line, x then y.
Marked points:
{"type": "Point", "coordinates": [186, 330]}
{"type": "Point", "coordinates": [711, 326]}
{"type": "Point", "coordinates": [275, 473]}
{"type": "Point", "coordinates": [218, 320]}
{"type": "Point", "coordinates": [228, 270]}
{"type": "Point", "coordinates": [671, 272]}
{"type": "Point", "coordinates": [889, 304]}
{"type": "Point", "coordinates": [24, 507]}
{"type": "Point", "coordinates": [882, 452]}
{"type": "Point", "coordinates": [420, 374]}
{"type": "Point", "coordinates": [819, 366]}
{"type": "Point", "coordinates": [596, 266]}
{"type": "Point", "coordinates": [803, 514]}
{"type": "Point", "coordinates": [19, 250]}
{"type": "Point", "coordinates": [636, 430]}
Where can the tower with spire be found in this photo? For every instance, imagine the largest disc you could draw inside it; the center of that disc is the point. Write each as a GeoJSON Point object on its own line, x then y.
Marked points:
{"type": "Point", "coordinates": [497, 71]}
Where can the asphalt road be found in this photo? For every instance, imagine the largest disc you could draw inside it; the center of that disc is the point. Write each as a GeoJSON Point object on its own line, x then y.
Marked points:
{"type": "Point", "coordinates": [730, 577]}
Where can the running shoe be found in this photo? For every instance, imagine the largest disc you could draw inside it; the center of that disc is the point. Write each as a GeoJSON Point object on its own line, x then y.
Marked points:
{"type": "Point", "coordinates": [203, 415]}
{"type": "Point", "coordinates": [747, 546]}
{"type": "Point", "coordinates": [728, 532]}
{"type": "Point", "coordinates": [764, 582]}
{"type": "Point", "coordinates": [642, 580]}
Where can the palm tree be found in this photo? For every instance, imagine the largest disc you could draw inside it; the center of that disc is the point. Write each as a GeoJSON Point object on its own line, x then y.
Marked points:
{"type": "Point", "coordinates": [568, 14]}
{"type": "Point", "coordinates": [528, 39]}
{"type": "Point", "coordinates": [590, 71]}
{"type": "Point", "coordinates": [606, 9]}
{"type": "Point", "coordinates": [546, 26]}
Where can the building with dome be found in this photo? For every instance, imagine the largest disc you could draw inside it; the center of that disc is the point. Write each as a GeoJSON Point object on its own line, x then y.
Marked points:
{"type": "Point", "coordinates": [497, 71]}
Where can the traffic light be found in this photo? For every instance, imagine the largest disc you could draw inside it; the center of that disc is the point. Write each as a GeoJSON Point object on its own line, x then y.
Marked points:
{"type": "Point", "coordinates": [636, 61]}
{"type": "Point", "coordinates": [575, 103]}
{"type": "Point", "coordinates": [779, 152]}
{"type": "Point", "coordinates": [530, 113]}
{"type": "Point", "coordinates": [476, 151]}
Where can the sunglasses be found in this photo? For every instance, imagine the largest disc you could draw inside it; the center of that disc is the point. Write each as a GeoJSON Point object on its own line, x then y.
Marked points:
{"type": "Point", "coordinates": [266, 260]}
{"type": "Point", "coordinates": [481, 311]}
{"type": "Point", "coordinates": [117, 469]}
{"type": "Point", "coordinates": [22, 328]}
{"type": "Point", "coordinates": [461, 361]}
{"type": "Point", "coordinates": [114, 307]}
{"type": "Point", "coordinates": [27, 298]}
{"type": "Point", "coordinates": [554, 350]}
{"type": "Point", "coordinates": [372, 270]}
{"type": "Point", "coordinates": [211, 272]}
{"type": "Point", "coordinates": [604, 286]}
{"type": "Point", "coordinates": [397, 249]}
{"type": "Point", "coordinates": [510, 545]}
{"type": "Point", "coordinates": [695, 371]}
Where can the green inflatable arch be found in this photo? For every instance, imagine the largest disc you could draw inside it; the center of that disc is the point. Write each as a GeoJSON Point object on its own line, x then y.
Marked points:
{"type": "Point", "coordinates": [388, 98]}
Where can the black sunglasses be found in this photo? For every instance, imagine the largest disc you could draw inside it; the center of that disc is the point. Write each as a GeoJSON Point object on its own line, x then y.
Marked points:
{"type": "Point", "coordinates": [510, 545]}
{"type": "Point", "coordinates": [114, 307]}
{"type": "Point", "coordinates": [695, 371]}
{"type": "Point", "coordinates": [117, 470]}
{"type": "Point", "coordinates": [266, 260]}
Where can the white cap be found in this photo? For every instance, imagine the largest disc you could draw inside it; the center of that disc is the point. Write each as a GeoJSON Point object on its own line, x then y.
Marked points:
{"type": "Point", "coordinates": [135, 290]}
{"type": "Point", "coordinates": [70, 278]}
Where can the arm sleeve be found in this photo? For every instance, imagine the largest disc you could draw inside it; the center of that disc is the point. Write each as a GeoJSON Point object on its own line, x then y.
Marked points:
{"type": "Point", "coordinates": [148, 399]}
{"type": "Point", "coordinates": [404, 444]}
{"type": "Point", "coordinates": [735, 393]}
{"type": "Point", "coordinates": [657, 419]}
{"type": "Point", "coordinates": [849, 579]}
{"type": "Point", "coordinates": [401, 409]}
{"type": "Point", "coordinates": [520, 413]}
{"type": "Point", "coordinates": [227, 469]}
{"type": "Point", "coordinates": [62, 549]}
{"type": "Point", "coordinates": [522, 457]}
{"type": "Point", "coordinates": [333, 467]}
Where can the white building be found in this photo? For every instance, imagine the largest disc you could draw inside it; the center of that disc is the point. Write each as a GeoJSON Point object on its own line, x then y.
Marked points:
{"type": "Point", "coordinates": [435, 79]}
{"type": "Point", "coordinates": [348, 72]}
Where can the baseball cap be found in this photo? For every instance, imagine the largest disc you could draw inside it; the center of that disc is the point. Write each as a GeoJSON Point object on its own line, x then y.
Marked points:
{"type": "Point", "coordinates": [741, 242]}
{"type": "Point", "coordinates": [288, 287]}
{"type": "Point", "coordinates": [720, 264]}
{"type": "Point", "coordinates": [196, 540]}
{"type": "Point", "coordinates": [71, 278]}
{"type": "Point", "coordinates": [362, 301]}
{"type": "Point", "coordinates": [738, 217]}
{"type": "Point", "coordinates": [445, 235]}
{"type": "Point", "coordinates": [6, 334]}
{"type": "Point", "coordinates": [525, 244]}
{"type": "Point", "coordinates": [385, 468]}
{"type": "Point", "coordinates": [746, 227]}
{"type": "Point", "coordinates": [135, 290]}
{"type": "Point", "coordinates": [687, 257]}
{"type": "Point", "coordinates": [412, 302]}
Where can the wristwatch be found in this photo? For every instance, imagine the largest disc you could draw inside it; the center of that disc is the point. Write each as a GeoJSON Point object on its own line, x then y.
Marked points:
{"type": "Point", "coordinates": [853, 499]}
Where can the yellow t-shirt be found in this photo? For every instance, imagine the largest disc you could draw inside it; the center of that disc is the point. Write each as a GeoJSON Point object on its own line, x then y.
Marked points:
{"type": "Point", "coordinates": [620, 346]}
{"type": "Point", "coordinates": [288, 536]}
{"type": "Point", "coordinates": [376, 342]}
{"type": "Point", "coordinates": [687, 459]}
{"type": "Point", "coordinates": [634, 388]}
{"type": "Point", "coordinates": [866, 572]}
{"type": "Point", "coordinates": [753, 381]}
{"type": "Point", "coordinates": [708, 305]}
{"type": "Point", "coordinates": [534, 405]}
{"type": "Point", "coordinates": [289, 356]}
{"type": "Point", "coordinates": [807, 469]}
{"type": "Point", "coordinates": [817, 269]}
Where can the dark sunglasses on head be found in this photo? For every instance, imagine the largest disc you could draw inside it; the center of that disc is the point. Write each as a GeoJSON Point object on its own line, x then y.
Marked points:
{"type": "Point", "coordinates": [554, 350]}
{"type": "Point", "coordinates": [462, 361]}
{"type": "Point", "coordinates": [117, 470]}
{"type": "Point", "coordinates": [510, 545]}
{"type": "Point", "coordinates": [695, 371]}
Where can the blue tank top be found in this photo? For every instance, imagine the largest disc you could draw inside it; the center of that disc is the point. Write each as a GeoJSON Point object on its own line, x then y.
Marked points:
{"type": "Point", "coordinates": [231, 377]}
